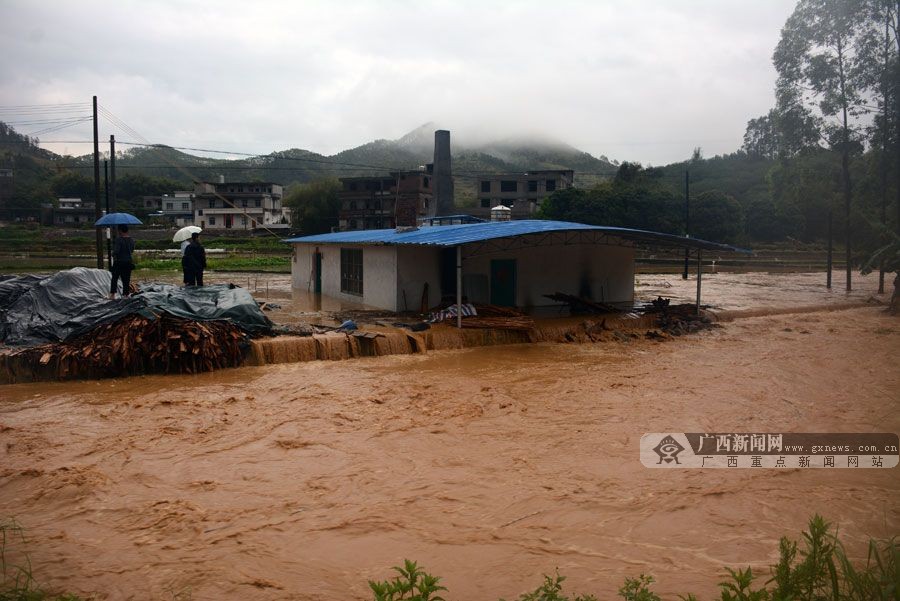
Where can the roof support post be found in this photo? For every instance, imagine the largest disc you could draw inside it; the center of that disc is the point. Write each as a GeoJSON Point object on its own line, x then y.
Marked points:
{"type": "Point", "coordinates": [699, 276]}
{"type": "Point", "coordinates": [459, 287]}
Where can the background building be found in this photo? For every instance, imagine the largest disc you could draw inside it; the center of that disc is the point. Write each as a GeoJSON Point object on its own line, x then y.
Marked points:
{"type": "Point", "coordinates": [373, 203]}
{"type": "Point", "coordinates": [237, 205]}
{"type": "Point", "coordinates": [521, 192]}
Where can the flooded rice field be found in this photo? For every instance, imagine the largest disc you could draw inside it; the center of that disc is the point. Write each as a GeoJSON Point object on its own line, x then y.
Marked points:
{"type": "Point", "coordinates": [490, 466]}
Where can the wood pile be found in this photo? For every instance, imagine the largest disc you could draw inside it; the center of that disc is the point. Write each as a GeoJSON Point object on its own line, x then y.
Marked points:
{"type": "Point", "coordinates": [139, 345]}
{"type": "Point", "coordinates": [498, 318]}
{"type": "Point", "coordinates": [578, 304]}
{"type": "Point", "coordinates": [522, 322]}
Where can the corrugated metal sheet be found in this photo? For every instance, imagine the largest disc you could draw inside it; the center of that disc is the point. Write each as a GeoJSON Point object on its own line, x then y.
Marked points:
{"type": "Point", "coordinates": [455, 235]}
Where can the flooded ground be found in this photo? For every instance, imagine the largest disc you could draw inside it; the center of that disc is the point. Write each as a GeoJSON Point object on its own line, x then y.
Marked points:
{"type": "Point", "coordinates": [489, 466]}
{"type": "Point", "coordinates": [723, 290]}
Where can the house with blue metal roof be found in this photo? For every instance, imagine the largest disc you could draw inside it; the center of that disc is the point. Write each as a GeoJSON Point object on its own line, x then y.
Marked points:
{"type": "Point", "coordinates": [508, 263]}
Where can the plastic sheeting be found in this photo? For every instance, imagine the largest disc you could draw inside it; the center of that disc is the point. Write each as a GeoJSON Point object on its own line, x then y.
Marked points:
{"type": "Point", "coordinates": [39, 309]}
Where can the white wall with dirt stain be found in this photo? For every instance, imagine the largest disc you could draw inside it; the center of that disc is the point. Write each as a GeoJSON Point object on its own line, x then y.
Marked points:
{"type": "Point", "coordinates": [599, 272]}
{"type": "Point", "coordinates": [394, 277]}
{"type": "Point", "coordinates": [379, 273]}
{"type": "Point", "coordinates": [416, 266]}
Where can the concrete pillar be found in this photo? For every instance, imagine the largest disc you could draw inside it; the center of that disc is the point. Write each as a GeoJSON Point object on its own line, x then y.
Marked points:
{"type": "Point", "coordinates": [443, 177]}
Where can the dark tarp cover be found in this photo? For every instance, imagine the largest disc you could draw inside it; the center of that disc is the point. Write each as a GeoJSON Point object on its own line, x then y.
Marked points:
{"type": "Point", "coordinates": [39, 309]}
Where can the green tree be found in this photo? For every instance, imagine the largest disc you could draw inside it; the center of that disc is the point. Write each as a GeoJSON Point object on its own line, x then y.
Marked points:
{"type": "Point", "coordinates": [315, 206]}
{"type": "Point", "coordinates": [819, 53]}
{"type": "Point", "coordinates": [70, 184]}
{"type": "Point", "coordinates": [716, 216]}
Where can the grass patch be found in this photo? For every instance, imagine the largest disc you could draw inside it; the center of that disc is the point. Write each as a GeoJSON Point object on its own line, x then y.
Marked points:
{"type": "Point", "coordinates": [266, 263]}
{"type": "Point", "coordinates": [816, 568]}
{"type": "Point", "coordinates": [17, 582]}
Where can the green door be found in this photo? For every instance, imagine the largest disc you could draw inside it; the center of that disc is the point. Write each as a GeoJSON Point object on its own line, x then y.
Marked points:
{"type": "Point", "coordinates": [503, 282]}
{"type": "Point", "coordinates": [318, 286]}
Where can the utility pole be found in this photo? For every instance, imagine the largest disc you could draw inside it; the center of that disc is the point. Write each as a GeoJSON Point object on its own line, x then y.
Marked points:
{"type": "Point", "coordinates": [830, 246]}
{"type": "Point", "coordinates": [108, 238]}
{"type": "Point", "coordinates": [97, 189]}
{"type": "Point", "coordinates": [687, 220]}
{"type": "Point", "coordinates": [112, 171]}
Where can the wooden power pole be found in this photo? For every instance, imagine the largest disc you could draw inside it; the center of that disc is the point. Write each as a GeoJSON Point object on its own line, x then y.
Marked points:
{"type": "Point", "coordinates": [97, 212]}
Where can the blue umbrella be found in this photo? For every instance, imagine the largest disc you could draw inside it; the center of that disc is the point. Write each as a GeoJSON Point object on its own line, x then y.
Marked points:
{"type": "Point", "coordinates": [117, 219]}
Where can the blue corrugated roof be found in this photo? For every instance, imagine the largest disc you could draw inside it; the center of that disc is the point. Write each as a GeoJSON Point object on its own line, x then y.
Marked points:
{"type": "Point", "coordinates": [454, 235]}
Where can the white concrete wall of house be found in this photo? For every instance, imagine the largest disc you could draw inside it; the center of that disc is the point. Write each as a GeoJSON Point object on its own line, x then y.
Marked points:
{"type": "Point", "coordinates": [602, 273]}
{"type": "Point", "coordinates": [417, 265]}
{"type": "Point", "coordinates": [379, 273]}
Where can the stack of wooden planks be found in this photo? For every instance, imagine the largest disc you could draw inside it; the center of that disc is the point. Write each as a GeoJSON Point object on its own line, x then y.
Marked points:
{"type": "Point", "coordinates": [138, 345]}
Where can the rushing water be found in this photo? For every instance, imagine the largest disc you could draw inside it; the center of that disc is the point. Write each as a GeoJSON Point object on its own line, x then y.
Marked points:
{"type": "Point", "coordinates": [489, 466]}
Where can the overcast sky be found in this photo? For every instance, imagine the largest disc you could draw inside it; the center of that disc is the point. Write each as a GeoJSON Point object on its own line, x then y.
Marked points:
{"type": "Point", "coordinates": [644, 80]}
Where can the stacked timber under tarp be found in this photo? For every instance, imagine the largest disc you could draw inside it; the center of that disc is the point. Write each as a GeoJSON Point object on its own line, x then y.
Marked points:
{"type": "Point", "coordinates": [63, 326]}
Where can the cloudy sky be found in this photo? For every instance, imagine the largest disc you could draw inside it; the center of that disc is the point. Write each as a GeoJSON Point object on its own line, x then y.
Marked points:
{"type": "Point", "coordinates": [644, 80]}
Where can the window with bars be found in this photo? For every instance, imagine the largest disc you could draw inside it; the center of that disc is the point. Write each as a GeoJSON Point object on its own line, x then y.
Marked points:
{"type": "Point", "coordinates": [352, 271]}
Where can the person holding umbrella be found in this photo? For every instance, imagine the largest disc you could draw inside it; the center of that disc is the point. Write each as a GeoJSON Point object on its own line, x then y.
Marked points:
{"type": "Point", "coordinates": [184, 236]}
{"type": "Point", "coordinates": [121, 259]}
{"type": "Point", "coordinates": [194, 261]}
{"type": "Point", "coordinates": [123, 263]}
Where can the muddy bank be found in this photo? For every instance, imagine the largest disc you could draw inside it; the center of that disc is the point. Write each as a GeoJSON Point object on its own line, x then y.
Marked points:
{"type": "Point", "coordinates": [488, 465]}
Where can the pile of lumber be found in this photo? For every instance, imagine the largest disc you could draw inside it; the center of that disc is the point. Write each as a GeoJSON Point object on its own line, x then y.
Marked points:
{"type": "Point", "coordinates": [139, 345]}
{"type": "Point", "coordinates": [578, 304]}
{"type": "Point", "coordinates": [498, 318]}
{"type": "Point", "coordinates": [498, 323]}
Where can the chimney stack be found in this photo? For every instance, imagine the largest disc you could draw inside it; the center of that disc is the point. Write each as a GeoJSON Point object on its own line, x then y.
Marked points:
{"type": "Point", "coordinates": [443, 178]}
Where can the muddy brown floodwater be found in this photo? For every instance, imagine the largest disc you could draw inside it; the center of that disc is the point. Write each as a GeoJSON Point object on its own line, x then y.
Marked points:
{"type": "Point", "coordinates": [489, 466]}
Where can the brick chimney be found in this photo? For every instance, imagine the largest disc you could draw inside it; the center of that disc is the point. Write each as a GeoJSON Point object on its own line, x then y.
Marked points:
{"type": "Point", "coordinates": [443, 178]}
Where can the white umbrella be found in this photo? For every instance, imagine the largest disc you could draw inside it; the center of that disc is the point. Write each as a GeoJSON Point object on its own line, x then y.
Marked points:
{"type": "Point", "coordinates": [185, 233]}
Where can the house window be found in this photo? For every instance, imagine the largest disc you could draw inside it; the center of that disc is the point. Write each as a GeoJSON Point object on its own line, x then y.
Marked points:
{"type": "Point", "coordinates": [244, 203]}
{"type": "Point", "coordinates": [199, 212]}
{"type": "Point", "coordinates": [169, 206]}
{"type": "Point", "coordinates": [212, 219]}
{"type": "Point", "coordinates": [532, 185]}
{"type": "Point", "coordinates": [212, 203]}
{"type": "Point", "coordinates": [551, 185]}
{"type": "Point", "coordinates": [509, 186]}
{"type": "Point", "coordinates": [485, 186]}
{"type": "Point", "coordinates": [426, 182]}
{"type": "Point", "coordinates": [485, 203]}
{"type": "Point", "coordinates": [184, 206]}
{"type": "Point", "coordinates": [352, 271]}
{"type": "Point", "coordinates": [257, 203]}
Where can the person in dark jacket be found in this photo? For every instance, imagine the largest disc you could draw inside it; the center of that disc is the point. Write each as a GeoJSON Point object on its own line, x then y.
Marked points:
{"type": "Point", "coordinates": [194, 262]}
{"type": "Point", "coordinates": [123, 263]}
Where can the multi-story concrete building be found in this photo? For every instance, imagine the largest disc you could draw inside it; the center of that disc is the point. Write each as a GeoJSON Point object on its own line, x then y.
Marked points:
{"type": "Point", "coordinates": [399, 199]}
{"type": "Point", "coordinates": [521, 192]}
{"type": "Point", "coordinates": [73, 211]}
{"type": "Point", "coordinates": [238, 205]}
{"type": "Point", "coordinates": [178, 207]}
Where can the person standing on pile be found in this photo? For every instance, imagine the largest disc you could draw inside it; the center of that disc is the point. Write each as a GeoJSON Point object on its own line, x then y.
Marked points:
{"type": "Point", "coordinates": [194, 262]}
{"type": "Point", "coordinates": [123, 263]}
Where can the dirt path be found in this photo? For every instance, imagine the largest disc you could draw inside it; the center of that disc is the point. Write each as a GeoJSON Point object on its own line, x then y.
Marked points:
{"type": "Point", "coordinates": [490, 466]}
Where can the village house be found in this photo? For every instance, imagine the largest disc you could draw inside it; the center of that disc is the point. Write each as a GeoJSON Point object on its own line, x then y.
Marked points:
{"type": "Point", "coordinates": [508, 263]}
{"type": "Point", "coordinates": [73, 211]}
{"type": "Point", "coordinates": [522, 193]}
{"type": "Point", "coordinates": [238, 205]}
{"type": "Point", "coordinates": [369, 203]}
{"type": "Point", "coordinates": [178, 207]}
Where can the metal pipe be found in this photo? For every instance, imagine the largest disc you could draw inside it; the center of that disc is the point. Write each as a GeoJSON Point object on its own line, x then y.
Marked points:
{"type": "Point", "coordinates": [459, 287]}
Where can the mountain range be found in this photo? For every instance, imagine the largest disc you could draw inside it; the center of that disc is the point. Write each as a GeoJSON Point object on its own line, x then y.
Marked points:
{"type": "Point", "coordinates": [373, 158]}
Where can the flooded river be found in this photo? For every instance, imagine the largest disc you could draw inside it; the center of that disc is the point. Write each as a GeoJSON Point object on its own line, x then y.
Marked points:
{"type": "Point", "coordinates": [490, 466]}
